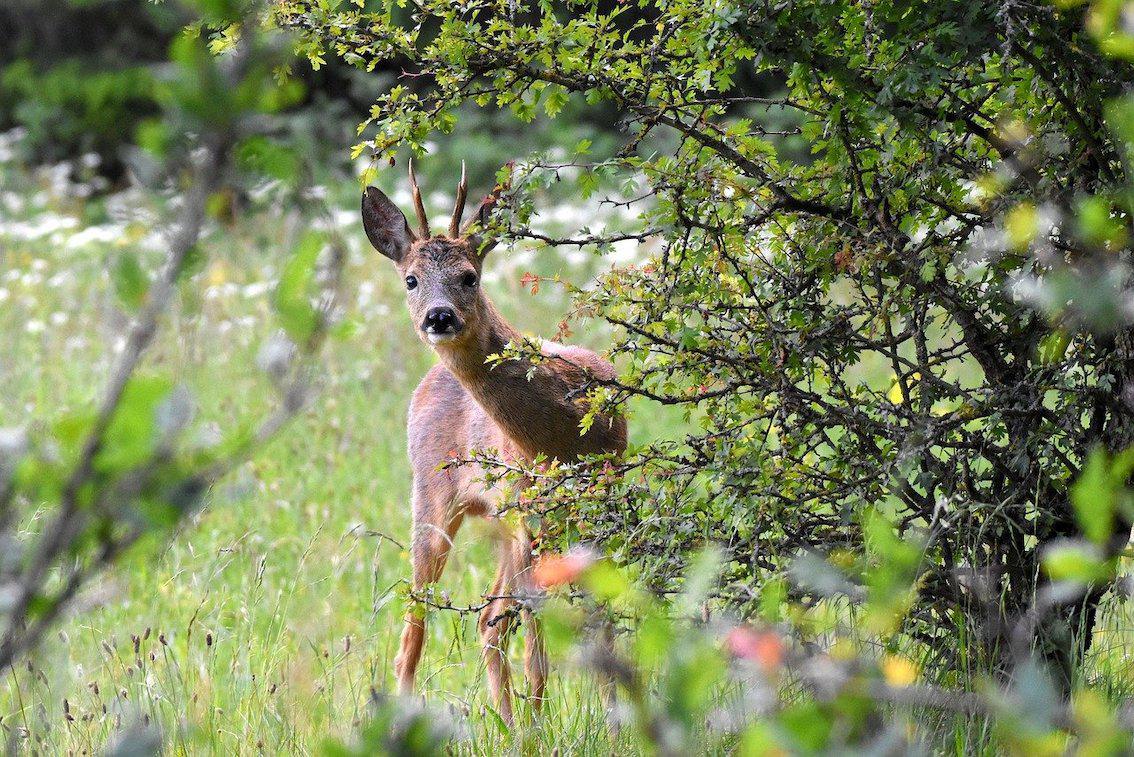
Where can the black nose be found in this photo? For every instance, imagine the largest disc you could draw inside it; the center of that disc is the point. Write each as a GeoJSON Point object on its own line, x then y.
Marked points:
{"type": "Point", "coordinates": [439, 321]}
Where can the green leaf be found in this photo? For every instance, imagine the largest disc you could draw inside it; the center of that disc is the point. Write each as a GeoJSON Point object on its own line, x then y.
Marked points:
{"type": "Point", "coordinates": [773, 596]}
{"type": "Point", "coordinates": [267, 156]}
{"type": "Point", "coordinates": [133, 433]}
{"type": "Point", "coordinates": [556, 98]}
{"type": "Point", "coordinates": [293, 294]}
{"type": "Point", "coordinates": [606, 581]}
{"type": "Point", "coordinates": [153, 136]}
{"type": "Point", "coordinates": [654, 639]}
{"type": "Point", "coordinates": [1053, 347]}
{"type": "Point", "coordinates": [560, 627]}
{"type": "Point", "coordinates": [1093, 497]}
{"type": "Point", "coordinates": [588, 183]}
{"type": "Point", "coordinates": [1021, 225]}
{"type": "Point", "coordinates": [700, 579]}
{"type": "Point", "coordinates": [1072, 560]}
{"type": "Point", "coordinates": [130, 281]}
{"type": "Point", "coordinates": [495, 719]}
{"type": "Point", "coordinates": [808, 724]}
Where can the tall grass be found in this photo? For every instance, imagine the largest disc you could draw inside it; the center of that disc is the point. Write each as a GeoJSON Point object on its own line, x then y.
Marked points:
{"type": "Point", "coordinates": [267, 622]}
{"type": "Point", "coordinates": [270, 619]}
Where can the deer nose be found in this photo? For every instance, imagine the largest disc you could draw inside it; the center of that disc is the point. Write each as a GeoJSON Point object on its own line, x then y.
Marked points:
{"type": "Point", "coordinates": [440, 321]}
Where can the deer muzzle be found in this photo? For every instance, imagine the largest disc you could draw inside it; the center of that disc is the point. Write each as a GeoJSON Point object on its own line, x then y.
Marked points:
{"type": "Point", "coordinates": [441, 324]}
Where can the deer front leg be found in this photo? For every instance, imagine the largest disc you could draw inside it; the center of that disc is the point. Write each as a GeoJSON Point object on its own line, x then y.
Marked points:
{"type": "Point", "coordinates": [434, 526]}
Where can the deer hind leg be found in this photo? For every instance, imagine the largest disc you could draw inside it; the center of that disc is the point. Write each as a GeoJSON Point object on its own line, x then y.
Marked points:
{"type": "Point", "coordinates": [494, 626]}
{"type": "Point", "coordinates": [514, 579]}
{"type": "Point", "coordinates": [535, 653]}
{"type": "Point", "coordinates": [435, 524]}
{"type": "Point", "coordinates": [535, 659]}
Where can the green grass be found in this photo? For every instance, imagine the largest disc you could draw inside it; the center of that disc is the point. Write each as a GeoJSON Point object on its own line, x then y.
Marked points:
{"type": "Point", "coordinates": [267, 621]}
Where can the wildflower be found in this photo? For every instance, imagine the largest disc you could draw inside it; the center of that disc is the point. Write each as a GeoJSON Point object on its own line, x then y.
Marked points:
{"type": "Point", "coordinates": [555, 570]}
{"type": "Point", "coordinates": [765, 648]}
{"type": "Point", "coordinates": [899, 671]}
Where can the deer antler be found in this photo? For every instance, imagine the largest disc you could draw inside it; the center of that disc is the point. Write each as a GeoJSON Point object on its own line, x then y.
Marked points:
{"type": "Point", "coordinates": [459, 207]}
{"type": "Point", "coordinates": [480, 216]}
{"type": "Point", "coordinates": [419, 208]}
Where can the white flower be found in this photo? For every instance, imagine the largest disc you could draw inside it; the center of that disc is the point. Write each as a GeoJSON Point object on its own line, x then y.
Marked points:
{"type": "Point", "coordinates": [61, 279]}
{"type": "Point", "coordinates": [176, 411]}
{"type": "Point", "coordinates": [221, 290]}
{"type": "Point", "coordinates": [256, 289]}
{"type": "Point", "coordinates": [13, 202]}
{"type": "Point", "coordinates": [276, 355]}
{"type": "Point", "coordinates": [43, 225]}
{"type": "Point", "coordinates": [96, 235]}
{"type": "Point", "coordinates": [13, 445]}
{"type": "Point", "coordinates": [365, 294]}
{"type": "Point", "coordinates": [263, 190]}
{"type": "Point", "coordinates": [35, 327]}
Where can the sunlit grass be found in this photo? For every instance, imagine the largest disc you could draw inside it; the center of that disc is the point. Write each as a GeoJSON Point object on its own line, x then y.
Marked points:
{"type": "Point", "coordinates": [267, 622]}
{"type": "Point", "coordinates": [271, 617]}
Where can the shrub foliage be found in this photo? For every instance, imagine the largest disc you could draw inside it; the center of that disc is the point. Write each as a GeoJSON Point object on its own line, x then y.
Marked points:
{"type": "Point", "coordinates": [906, 302]}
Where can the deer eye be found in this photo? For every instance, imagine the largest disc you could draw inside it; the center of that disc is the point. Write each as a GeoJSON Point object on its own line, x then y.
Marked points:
{"type": "Point", "coordinates": [469, 280]}
{"type": "Point", "coordinates": [411, 282]}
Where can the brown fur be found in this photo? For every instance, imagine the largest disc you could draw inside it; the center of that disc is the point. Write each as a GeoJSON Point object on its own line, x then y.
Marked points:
{"type": "Point", "coordinates": [464, 405]}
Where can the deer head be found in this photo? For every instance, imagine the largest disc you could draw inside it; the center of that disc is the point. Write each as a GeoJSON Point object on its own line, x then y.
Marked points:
{"type": "Point", "coordinates": [441, 272]}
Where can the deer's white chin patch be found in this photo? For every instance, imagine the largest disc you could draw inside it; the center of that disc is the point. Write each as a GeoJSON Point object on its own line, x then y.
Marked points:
{"type": "Point", "coordinates": [440, 338]}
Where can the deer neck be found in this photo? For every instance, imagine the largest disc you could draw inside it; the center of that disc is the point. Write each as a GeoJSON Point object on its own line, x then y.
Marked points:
{"type": "Point", "coordinates": [467, 358]}
{"type": "Point", "coordinates": [503, 389]}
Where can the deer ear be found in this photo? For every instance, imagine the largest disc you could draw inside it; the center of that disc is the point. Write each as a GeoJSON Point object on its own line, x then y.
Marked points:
{"type": "Point", "coordinates": [385, 225]}
{"type": "Point", "coordinates": [476, 228]}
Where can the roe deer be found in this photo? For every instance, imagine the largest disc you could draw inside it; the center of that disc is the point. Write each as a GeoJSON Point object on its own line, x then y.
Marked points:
{"type": "Point", "coordinates": [464, 404]}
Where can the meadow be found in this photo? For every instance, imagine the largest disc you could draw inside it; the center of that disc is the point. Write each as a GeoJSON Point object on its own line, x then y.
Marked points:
{"type": "Point", "coordinates": [270, 620]}
{"type": "Point", "coordinates": [877, 500]}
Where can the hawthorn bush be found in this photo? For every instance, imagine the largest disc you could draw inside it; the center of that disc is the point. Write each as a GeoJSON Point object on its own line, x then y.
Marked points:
{"type": "Point", "coordinates": [889, 279]}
